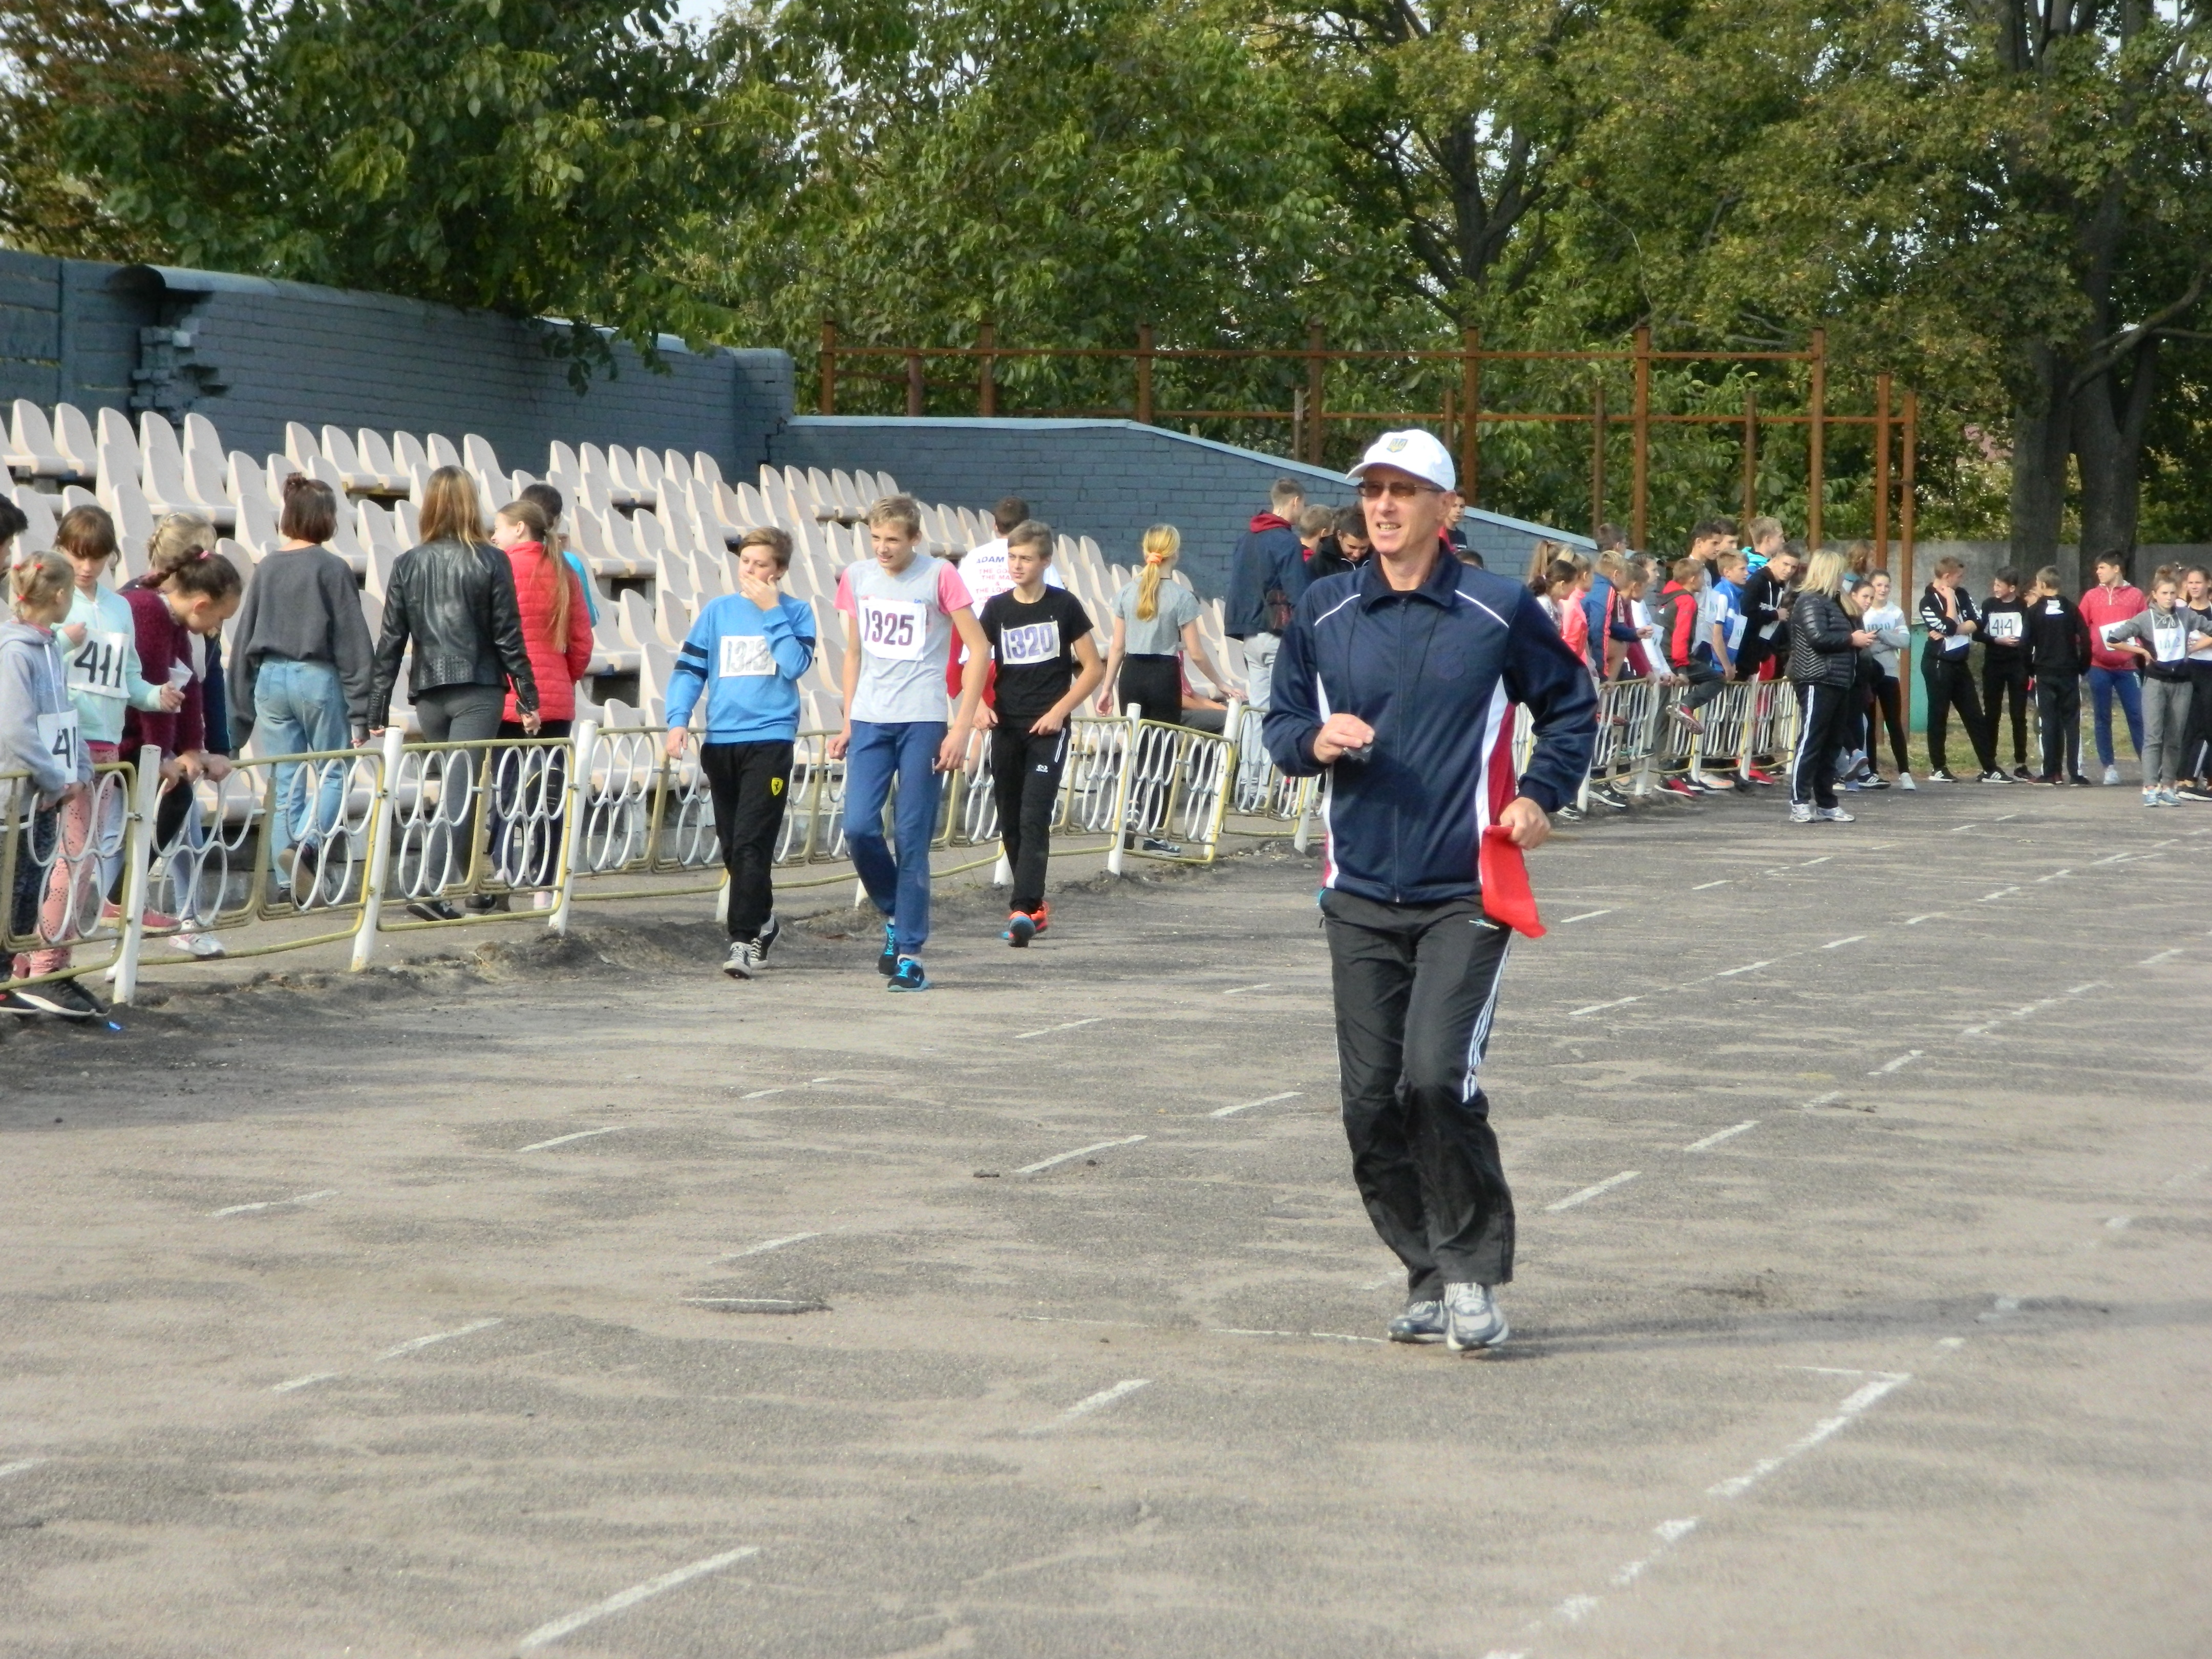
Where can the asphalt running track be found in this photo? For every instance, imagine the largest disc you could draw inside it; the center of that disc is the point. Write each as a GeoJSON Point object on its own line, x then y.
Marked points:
{"type": "Point", "coordinates": [606, 1308]}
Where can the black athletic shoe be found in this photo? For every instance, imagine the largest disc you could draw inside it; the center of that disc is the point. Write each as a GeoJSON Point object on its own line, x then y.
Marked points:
{"type": "Point", "coordinates": [431, 909]}
{"type": "Point", "coordinates": [63, 998]}
{"type": "Point", "coordinates": [14, 1002]}
{"type": "Point", "coordinates": [2081, 782]}
{"type": "Point", "coordinates": [887, 963]}
{"type": "Point", "coordinates": [2023, 775]}
{"type": "Point", "coordinates": [770, 931]}
{"type": "Point", "coordinates": [2194, 792]}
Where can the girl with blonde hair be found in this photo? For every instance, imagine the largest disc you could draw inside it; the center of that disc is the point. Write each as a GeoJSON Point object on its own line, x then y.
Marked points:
{"type": "Point", "coordinates": [1825, 643]}
{"type": "Point", "coordinates": [1151, 616]}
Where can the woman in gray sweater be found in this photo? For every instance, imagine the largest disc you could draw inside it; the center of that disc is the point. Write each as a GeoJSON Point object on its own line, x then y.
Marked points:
{"type": "Point", "coordinates": [300, 674]}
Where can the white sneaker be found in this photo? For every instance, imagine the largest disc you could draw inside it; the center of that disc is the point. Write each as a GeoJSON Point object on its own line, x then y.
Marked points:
{"type": "Point", "coordinates": [2169, 798]}
{"type": "Point", "coordinates": [194, 942]}
{"type": "Point", "coordinates": [1905, 781]}
{"type": "Point", "coordinates": [1471, 1319]}
{"type": "Point", "coordinates": [1800, 813]}
{"type": "Point", "coordinates": [1835, 815]}
{"type": "Point", "coordinates": [2151, 798]}
{"type": "Point", "coordinates": [2112, 775]}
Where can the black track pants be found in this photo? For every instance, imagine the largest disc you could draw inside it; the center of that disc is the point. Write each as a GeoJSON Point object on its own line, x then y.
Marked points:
{"type": "Point", "coordinates": [751, 785]}
{"type": "Point", "coordinates": [2003, 678]}
{"type": "Point", "coordinates": [2058, 705]}
{"type": "Point", "coordinates": [1825, 714]}
{"type": "Point", "coordinates": [1415, 987]}
{"type": "Point", "coordinates": [1026, 783]}
{"type": "Point", "coordinates": [1950, 684]}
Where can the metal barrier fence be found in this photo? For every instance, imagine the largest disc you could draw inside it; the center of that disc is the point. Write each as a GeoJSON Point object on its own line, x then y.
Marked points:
{"type": "Point", "coordinates": [1641, 741]}
{"type": "Point", "coordinates": [297, 850]}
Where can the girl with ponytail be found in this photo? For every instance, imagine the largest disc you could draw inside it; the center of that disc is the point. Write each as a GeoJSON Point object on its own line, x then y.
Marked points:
{"type": "Point", "coordinates": [1152, 616]}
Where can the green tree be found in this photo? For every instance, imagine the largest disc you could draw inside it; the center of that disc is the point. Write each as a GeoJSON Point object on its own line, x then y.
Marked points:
{"type": "Point", "coordinates": [527, 156]}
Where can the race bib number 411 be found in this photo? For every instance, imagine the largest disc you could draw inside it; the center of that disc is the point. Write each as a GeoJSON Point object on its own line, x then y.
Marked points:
{"type": "Point", "coordinates": [96, 666]}
{"type": "Point", "coordinates": [895, 629]}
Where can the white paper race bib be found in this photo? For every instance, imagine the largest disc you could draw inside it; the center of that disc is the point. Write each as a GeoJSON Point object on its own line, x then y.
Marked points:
{"type": "Point", "coordinates": [2004, 625]}
{"type": "Point", "coordinates": [1735, 630]}
{"type": "Point", "coordinates": [744, 656]}
{"type": "Point", "coordinates": [2170, 644]}
{"type": "Point", "coordinates": [1770, 630]}
{"type": "Point", "coordinates": [96, 666]}
{"type": "Point", "coordinates": [894, 629]}
{"type": "Point", "coordinates": [1034, 642]}
{"type": "Point", "coordinates": [58, 737]}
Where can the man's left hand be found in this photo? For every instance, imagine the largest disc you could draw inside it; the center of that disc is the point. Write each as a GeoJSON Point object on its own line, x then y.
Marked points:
{"type": "Point", "coordinates": [1528, 824]}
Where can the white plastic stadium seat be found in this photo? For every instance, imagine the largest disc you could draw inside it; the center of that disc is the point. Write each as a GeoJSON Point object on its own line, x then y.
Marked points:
{"type": "Point", "coordinates": [78, 446]}
{"type": "Point", "coordinates": [479, 456]}
{"type": "Point", "coordinates": [32, 451]}
{"type": "Point", "coordinates": [206, 471]}
{"type": "Point", "coordinates": [440, 451]}
{"type": "Point", "coordinates": [377, 462]}
{"type": "Point", "coordinates": [39, 535]}
{"type": "Point", "coordinates": [117, 445]}
{"type": "Point", "coordinates": [409, 455]}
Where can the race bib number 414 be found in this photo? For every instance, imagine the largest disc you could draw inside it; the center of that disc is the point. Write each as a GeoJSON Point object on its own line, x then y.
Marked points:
{"type": "Point", "coordinates": [895, 629]}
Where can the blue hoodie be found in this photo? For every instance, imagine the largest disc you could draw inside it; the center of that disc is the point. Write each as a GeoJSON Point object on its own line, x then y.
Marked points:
{"type": "Point", "coordinates": [750, 661]}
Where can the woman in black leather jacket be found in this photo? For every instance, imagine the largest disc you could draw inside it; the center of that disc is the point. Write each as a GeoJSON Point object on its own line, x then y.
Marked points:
{"type": "Point", "coordinates": [451, 598]}
{"type": "Point", "coordinates": [1825, 643]}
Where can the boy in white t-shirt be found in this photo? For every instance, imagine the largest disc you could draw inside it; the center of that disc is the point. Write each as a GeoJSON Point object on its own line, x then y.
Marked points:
{"type": "Point", "coordinates": [900, 610]}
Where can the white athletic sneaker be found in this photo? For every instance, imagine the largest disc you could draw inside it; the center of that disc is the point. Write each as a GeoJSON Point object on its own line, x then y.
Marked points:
{"type": "Point", "coordinates": [1800, 813]}
{"type": "Point", "coordinates": [194, 942]}
{"type": "Point", "coordinates": [1835, 815]}
{"type": "Point", "coordinates": [2112, 775]}
{"type": "Point", "coordinates": [2151, 798]}
{"type": "Point", "coordinates": [1471, 1319]}
{"type": "Point", "coordinates": [1905, 781]}
{"type": "Point", "coordinates": [2168, 797]}
{"type": "Point", "coordinates": [744, 960]}
{"type": "Point", "coordinates": [1421, 1321]}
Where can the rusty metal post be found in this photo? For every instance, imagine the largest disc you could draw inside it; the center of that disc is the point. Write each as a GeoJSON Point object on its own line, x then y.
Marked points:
{"type": "Point", "coordinates": [1816, 442]}
{"type": "Point", "coordinates": [1750, 463]}
{"type": "Point", "coordinates": [1143, 373]}
{"type": "Point", "coordinates": [913, 383]}
{"type": "Point", "coordinates": [1597, 457]}
{"type": "Point", "coordinates": [1317, 372]}
{"type": "Point", "coordinates": [1902, 586]}
{"type": "Point", "coordinates": [1639, 514]}
{"type": "Point", "coordinates": [1470, 415]}
{"type": "Point", "coordinates": [1881, 472]}
{"type": "Point", "coordinates": [986, 384]}
{"type": "Point", "coordinates": [828, 397]}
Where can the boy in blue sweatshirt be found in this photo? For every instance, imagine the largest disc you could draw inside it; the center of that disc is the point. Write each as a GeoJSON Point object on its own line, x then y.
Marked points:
{"type": "Point", "coordinates": [747, 650]}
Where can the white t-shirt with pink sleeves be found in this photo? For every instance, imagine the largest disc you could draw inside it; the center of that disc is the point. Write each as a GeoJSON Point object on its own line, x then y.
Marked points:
{"type": "Point", "coordinates": [905, 624]}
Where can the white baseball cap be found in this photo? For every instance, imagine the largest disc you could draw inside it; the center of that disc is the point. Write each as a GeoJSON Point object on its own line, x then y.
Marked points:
{"type": "Point", "coordinates": [1411, 450]}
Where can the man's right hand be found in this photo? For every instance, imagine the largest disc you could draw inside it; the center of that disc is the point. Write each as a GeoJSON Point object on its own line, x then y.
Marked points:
{"type": "Point", "coordinates": [841, 743]}
{"type": "Point", "coordinates": [1338, 733]}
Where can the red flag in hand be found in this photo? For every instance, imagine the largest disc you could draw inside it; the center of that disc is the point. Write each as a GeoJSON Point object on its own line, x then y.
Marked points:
{"type": "Point", "coordinates": [1506, 897]}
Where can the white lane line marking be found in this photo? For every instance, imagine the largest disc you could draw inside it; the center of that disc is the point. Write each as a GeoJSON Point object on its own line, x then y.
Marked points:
{"type": "Point", "coordinates": [780, 1304]}
{"type": "Point", "coordinates": [1950, 1341]}
{"type": "Point", "coordinates": [1999, 894]}
{"type": "Point", "coordinates": [1702, 885]}
{"type": "Point", "coordinates": [2117, 858]}
{"type": "Point", "coordinates": [1046, 1164]}
{"type": "Point", "coordinates": [1600, 1007]}
{"type": "Point", "coordinates": [306, 1381]}
{"type": "Point", "coordinates": [1839, 944]}
{"type": "Point", "coordinates": [1933, 915]}
{"type": "Point", "coordinates": [1055, 1319]}
{"type": "Point", "coordinates": [415, 1342]}
{"type": "Point", "coordinates": [563, 1140]}
{"type": "Point", "coordinates": [1231, 1111]}
{"type": "Point", "coordinates": [1957, 828]}
{"type": "Point", "coordinates": [1715, 1139]}
{"type": "Point", "coordinates": [2004, 818]}
{"type": "Point", "coordinates": [1589, 1192]}
{"type": "Point", "coordinates": [1670, 1533]}
{"type": "Point", "coordinates": [1828, 1099]}
{"type": "Point", "coordinates": [546, 1635]}
{"type": "Point", "coordinates": [1897, 1064]}
{"type": "Point", "coordinates": [2080, 990]}
{"type": "Point", "coordinates": [2163, 956]}
{"type": "Point", "coordinates": [1991, 1024]}
{"type": "Point", "coordinates": [2118, 1223]}
{"type": "Point", "coordinates": [1748, 968]}
{"type": "Point", "coordinates": [1098, 1401]}
{"type": "Point", "coordinates": [1323, 1336]}
{"type": "Point", "coordinates": [1587, 915]}
{"type": "Point", "coordinates": [1859, 1403]}
{"type": "Point", "coordinates": [1809, 863]}
{"type": "Point", "coordinates": [1023, 1036]}
{"type": "Point", "coordinates": [18, 1467]}
{"type": "Point", "coordinates": [273, 1203]}
{"type": "Point", "coordinates": [2055, 875]}
{"type": "Point", "coordinates": [771, 1244]}
{"type": "Point", "coordinates": [1241, 989]}
{"type": "Point", "coordinates": [760, 1094]}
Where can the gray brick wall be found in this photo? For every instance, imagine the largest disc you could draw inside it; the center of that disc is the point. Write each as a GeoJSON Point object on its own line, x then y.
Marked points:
{"type": "Point", "coordinates": [65, 335]}
{"type": "Point", "coordinates": [1105, 479]}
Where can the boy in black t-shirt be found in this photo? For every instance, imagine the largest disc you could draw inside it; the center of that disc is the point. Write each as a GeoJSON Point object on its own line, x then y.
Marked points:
{"type": "Point", "coordinates": [1047, 663]}
{"type": "Point", "coordinates": [2004, 666]}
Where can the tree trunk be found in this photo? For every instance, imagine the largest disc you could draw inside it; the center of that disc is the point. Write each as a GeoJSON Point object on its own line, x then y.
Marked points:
{"type": "Point", "coordinates": [2041, 435]}
{"type": "Point", "coordinates": [2109, 417]}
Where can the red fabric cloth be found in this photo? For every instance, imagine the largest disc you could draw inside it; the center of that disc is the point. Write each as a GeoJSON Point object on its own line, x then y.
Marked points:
{"type": "Point", "coordinates": [2102, 604]}
{"type": "Point", "coordinates": [163, 642]}
{"type": "Point", "coordinates": [1270, 521]}
{"type": "Point", "coordinates": [1499, 868]}
{"type": "Point", "coordinates": [554, 664]}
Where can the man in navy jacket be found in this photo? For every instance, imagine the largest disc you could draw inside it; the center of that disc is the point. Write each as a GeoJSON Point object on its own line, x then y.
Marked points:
{"type": "Point", "coordinates": [1398, 681]}
{"type": "Point", "coordinates": [1269, 570]}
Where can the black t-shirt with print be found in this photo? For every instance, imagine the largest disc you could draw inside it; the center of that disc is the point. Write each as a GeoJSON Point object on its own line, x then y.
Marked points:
{"type": "Point", "coordinates": [1033, 646]}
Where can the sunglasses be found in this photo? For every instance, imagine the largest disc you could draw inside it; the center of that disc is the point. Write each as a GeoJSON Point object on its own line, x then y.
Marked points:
{"type": "Point", "coordinates": [1401, 489]}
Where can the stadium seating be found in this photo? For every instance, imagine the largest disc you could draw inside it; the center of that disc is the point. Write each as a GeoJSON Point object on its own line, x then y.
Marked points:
{"type": "Point", "coordinates": [654, 527]}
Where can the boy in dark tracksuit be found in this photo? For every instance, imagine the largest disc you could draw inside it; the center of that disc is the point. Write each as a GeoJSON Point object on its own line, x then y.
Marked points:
{"type": "Point", "coordinates": [2004, 665]}
{"type": "Point", "coordinates": [2057, 657]}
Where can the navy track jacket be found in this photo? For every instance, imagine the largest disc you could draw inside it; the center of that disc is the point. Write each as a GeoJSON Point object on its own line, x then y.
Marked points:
{"type": "Point", "coordinates": [1436, 671]}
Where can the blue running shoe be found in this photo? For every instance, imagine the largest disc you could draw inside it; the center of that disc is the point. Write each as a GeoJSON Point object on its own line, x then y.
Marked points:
{"type": "Point", "coordinates": [887, 964]}
{"type": "Point", "coordinates": [1021, 928]}
{"type": "Point", "coordinates": [908, 975]}
{"type": "Point", "coordinates": [1422, 1321]}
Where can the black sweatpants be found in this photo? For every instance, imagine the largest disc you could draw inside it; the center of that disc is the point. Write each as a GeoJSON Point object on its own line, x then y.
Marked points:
{"type": "Point", "coordinates": [2197, 744]}
{"type": "Point", "coordinates": [1950, 684]}
{"type": "Point", "coordinates": [2004, 674]}
{"type": "Point", "coordinates": [751, 785]}
{"type": "Point", "coordinates": [1024, 782]}
{"type": "Point", "coordinates": [1889, 709]}
{"type": "Point", "coordinates": [1154, 684]}
{"type": "Point", "coordinates": [1416, 985]}
{"type": "Point", "coordinates": [2058, 706]}
{"type": "Point", "coordinates": [1825, 715]}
